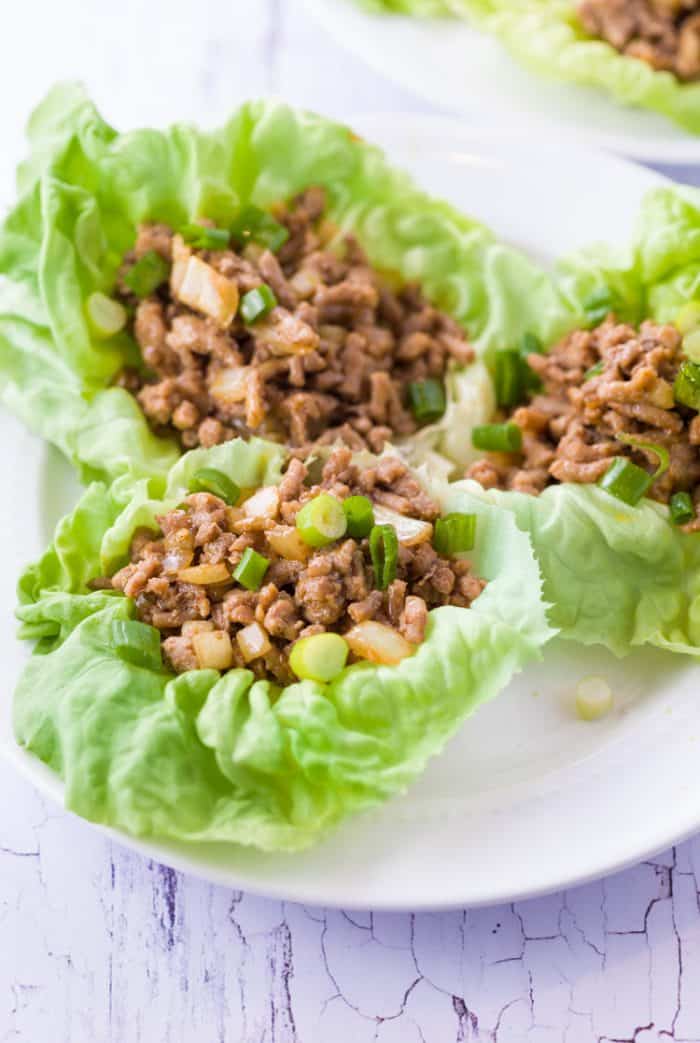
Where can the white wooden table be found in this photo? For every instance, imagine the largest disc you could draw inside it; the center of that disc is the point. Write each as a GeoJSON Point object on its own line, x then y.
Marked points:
{"type": "Point", "coordinates": [99, 946]}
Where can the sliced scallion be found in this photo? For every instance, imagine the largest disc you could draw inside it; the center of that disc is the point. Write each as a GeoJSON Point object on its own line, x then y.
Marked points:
{"type": "Point", "coordinates": [359, 513]}
{"type": "Point", "coordinates": [686, 388]}
{"type": "Point", "coordinates": [384, 551]}
{"type": "Point", "coordinates": [594, 371]}
{"type": "Point", "coordinates": [508, 378]}
{"type": "Point", "coordinates": [628, 482]}
{"type": "Point", "coordinates": [498, 438]}
{"type": "Point", "coordinates": [256, 304]}
{"type": "Point", "coordinates": [660, 451]}
{"type": "Point", "coordinates": [427, 400]}
{"type": "Point", "coordinates": [681, 508]}
{"type": "Point", "coordinates": [149, 272]}
{"type": "Point", "coordinates": [105, 315]}
{"type": "Point", "coordinates": [255, 225]}
{"type": "Point", "coordinates": [320, 657]}
{"type": "Point", "coordinates": [321, 521]}
{"type": "Point", "coordinates": [688, 318]}
{"type": "Point", "coordinates": [209, 480]}
{"type": "Point", "coordinates": [454, 534]}
{"type": "Point", "coordinates": [251, 569]}
{"type": "Point", "coordinates": [137, 643]}
{"type": "Point", "coordinates": [205, 238]}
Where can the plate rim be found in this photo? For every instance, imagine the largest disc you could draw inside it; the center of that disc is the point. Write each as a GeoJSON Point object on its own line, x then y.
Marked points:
{"type": "Point", "coordinates": [683, 151]}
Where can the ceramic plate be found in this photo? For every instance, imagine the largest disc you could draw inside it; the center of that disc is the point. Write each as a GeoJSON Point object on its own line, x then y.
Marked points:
{"type": "Point", "coordinates": [461, 69]}
{"type": "Point", "coordinates": [526, 798]}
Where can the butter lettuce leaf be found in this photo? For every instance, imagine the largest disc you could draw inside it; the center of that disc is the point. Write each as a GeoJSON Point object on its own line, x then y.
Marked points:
{"type": "Point", "coordinates": [204, 756]}
{"type": "Point", "coordinates": [84, 189]}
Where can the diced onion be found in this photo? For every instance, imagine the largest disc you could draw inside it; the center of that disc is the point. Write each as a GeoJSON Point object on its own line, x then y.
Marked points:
{"type": "Point", "coordinates": [203, 575]}
{"type": "Point", "coordinates": [284, 334]}
{"type": "Point", "coordinates": [378, 642]}
{"type": "Point", "coordinates": [265, 503]}
{"type": "Point", "coordinates": [230, 385]}
{"type": "Point", "coordinates": [196, 626]}
{"type": "Point", "coordinates": [105, 315]}
{"type": "Point", "coordinates": [213, 649]}
{"type": "Point", "coordinates": [286, 541]}
{"type": "Point", "coordinates": [179, 550]}
{"type": "Point", "coordinates": [594, 698]}
{"type": "Point", "coordinates": [409, 531]}
{"type": "Point", "coordinates": [199, 286]}
{"type": "Point", "coordinates": [304, 282]}
{"type": "Point", "coordinates": [253, 642]}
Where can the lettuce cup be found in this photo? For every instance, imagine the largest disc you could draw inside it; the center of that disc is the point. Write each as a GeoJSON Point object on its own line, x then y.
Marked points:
{"type": "Point", "coordinates": [645, 53]}
{"type": "Point", "coordinates": [250, 647]}
{"type": "Point", "coordinates": [276, 277]}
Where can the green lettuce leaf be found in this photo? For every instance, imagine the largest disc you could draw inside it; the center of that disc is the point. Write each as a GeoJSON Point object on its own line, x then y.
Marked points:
{"type": "Point", "coordinates": [546, 35]}
{"type": "Point", "coordinates": [84, 188]}
{"type": "Point", "coordinates": [205, 756]}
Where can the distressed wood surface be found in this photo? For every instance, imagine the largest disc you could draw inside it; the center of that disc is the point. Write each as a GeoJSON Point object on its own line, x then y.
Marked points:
{"type": "Point", "coordinates": [101, 946]}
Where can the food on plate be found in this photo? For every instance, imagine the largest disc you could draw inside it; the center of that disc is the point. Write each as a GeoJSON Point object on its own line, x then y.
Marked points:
{"type": "Point", "coordinates": [663, 33]}
{"type": "Point", "coordinates": [279, 326]}
{"type": "Point", "coordinates": [276, 276]}
{"type": "Point", "coordinates": [236, 581]}
{"type": "Point", "coordinates": [248, 647]}
{"type": "Point", "coordinates": [616, 405]}
{"type": "Point", "coordinates": [644, 53]}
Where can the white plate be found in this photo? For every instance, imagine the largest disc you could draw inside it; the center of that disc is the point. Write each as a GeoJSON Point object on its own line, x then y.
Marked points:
{"type": "Point", "coordinates": [458, 68]}
{"type": "Point", "coordinates": [527, 798]}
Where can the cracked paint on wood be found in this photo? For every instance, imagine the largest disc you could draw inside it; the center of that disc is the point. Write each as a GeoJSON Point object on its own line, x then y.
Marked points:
{"type": "Point", "coordinates": [102, 946]}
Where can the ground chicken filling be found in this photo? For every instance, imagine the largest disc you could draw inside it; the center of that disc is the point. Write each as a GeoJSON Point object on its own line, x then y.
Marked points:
{"type": "Point", "coordinates": [333, 358]}
{"type": "Point", "coordinates": [663, 33]}
{"type": "Point", "coordinates": [182, 581]}
{"type": "Point", "coordinates": [598, 385]}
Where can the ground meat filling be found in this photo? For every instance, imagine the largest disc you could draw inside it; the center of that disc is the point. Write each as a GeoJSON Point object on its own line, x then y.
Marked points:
{"type": "Point", "coordinates": [304, 591]}
{"type": "Point", "coordinates": [570, 428]}
{"type": "Point", "coordinates": [332, 361]}
{"type": "Point", "coordinates": [663, 33]}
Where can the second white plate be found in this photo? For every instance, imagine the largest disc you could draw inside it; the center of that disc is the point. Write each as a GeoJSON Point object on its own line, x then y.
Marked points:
{"type": "Point", "coordinates": [451, 64]}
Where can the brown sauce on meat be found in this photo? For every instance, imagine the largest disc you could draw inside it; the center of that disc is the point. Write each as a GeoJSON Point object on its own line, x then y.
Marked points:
{"type": "Point", "coordinates": [570, 429]}
{"type": "Point", "coordinates": [663, 33]}
{"type": "Point", "coordinates": [331, 362]}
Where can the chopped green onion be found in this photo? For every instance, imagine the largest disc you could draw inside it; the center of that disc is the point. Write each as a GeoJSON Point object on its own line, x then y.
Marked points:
{"type": "Point", "coordinates": [204, 238]}
{"type": "Point", "coordinates": [688, 318]}
{"type": "Point", "coordinates": [384, 551]}
{"type": "Point", "coordinates": [149, 272]}
{"type": "Point", "coordinates": [625, 481]}
{"type": "Point", "coordinates": [137, 643]}
{"type": "Point", "coordinates": [255, 304]}
{"type": "Point", "coordinates": [321, 521]}
{"type": "Point", "coordinates": [594, 371]}
{"type": "Point", "coordinates": [508, 378]}
{"type": "Point", "coordinates": [251, 569]}
{"type": "Point", "coordinates": [427, 400]}
{"type": "Point", "coordinates": [209, 480]}
{"type": "Point", "coordinates": [686, 388]}
{"type": "Point", "coordinates": [681, 508]}
{"type": "Point", "coordinates": [594, 698]}
{"type": "Point", "coordinates": [498, 438]}
{"type": "Point", "coordinates": [454, 534]}
{"type": "Point", "coordinates": [652, 447]}
{"type": "Point", "coordinates": [530, 344]}
{"type": "Point", "coordinates": [255, 225]}
{"type": "Point", "coordinates": [691, 345]}
{"type": "Point", "coordinates": [105, 315]}
{"type": "Point", "coordinates": [320, 657]}
{"type": "Point", "coordinates": [598, 305]}
{"type": "Point", "coordinates": [359, 513]}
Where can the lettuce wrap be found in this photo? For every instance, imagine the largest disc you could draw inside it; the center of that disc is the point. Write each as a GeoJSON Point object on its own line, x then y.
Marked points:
{"type": "Point", "coordinates": [204, 756]}
{"type": "Point", "coordinates": [85, 188]}
{"type": "Point", "coordinates": [615, 575]}
{"type": "Point", "coordinates": [547, 36]}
